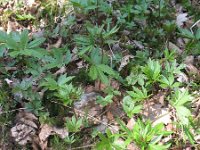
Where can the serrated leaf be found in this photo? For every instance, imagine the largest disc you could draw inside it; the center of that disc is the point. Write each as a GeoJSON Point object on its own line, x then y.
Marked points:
{"type": "Point", "coordinates": [35, 43]}
{"type": "Point", "coordinates": [93, 73]}
{"type": "Point", "coordinates": [12, 44]}
{"type": "Point", "coordinates": [197, 35]}
{"type": "Point", "coordinates": [103, 77]}
{"type": "Point", "coordinates": [68, 57]}
{"type": "Point", "coordinates": [186, 33]}
{"type": "Point", "coordinates": [183, 113]}
{"type": "Point", "coordinates": [63, 79]}
{"type": "Point", "coordinates": [24, 39]}
{"type": "Point", "coordinates": [3, 36]}
{"type": "Point", "coordinates": [85, 50]}
{"type": "Point", "coordinates": [2, 49]}
{"type": "Point", "coordinates": [106, 69]}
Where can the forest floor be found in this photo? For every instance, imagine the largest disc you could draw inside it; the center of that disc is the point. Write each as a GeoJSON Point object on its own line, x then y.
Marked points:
{"type": "Point", "coordinates": [99, 74]}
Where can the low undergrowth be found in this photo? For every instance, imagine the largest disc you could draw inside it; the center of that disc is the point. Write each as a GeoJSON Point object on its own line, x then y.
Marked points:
{"type": "Point", "coordinates": [98, 74]}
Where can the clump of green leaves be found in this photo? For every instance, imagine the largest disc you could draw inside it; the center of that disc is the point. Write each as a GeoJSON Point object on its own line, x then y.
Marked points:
{"type": "Point", "coordinates": [146, 136]}
{"type": "Point", "coordinates": [64, 90]}
{"type": "Point", "coordinates": [130, 106]}
{"type": "Point", "coordinates": [19, 44]}
{"type": "Point", "coordinates": [73, 124]}
{"type": "Point", "coordinates": [109, 141]}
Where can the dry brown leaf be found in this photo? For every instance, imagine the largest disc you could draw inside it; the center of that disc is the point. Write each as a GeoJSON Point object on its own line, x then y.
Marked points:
{"type": "Point", "coordinates": [60, 71]}
{"type": "Point", "coordinates": [89, 89]}
{"type": "Point", "coordinates": [57, 44]}
{"type": "Point", "coordinates": [110, 116]}
{"type": "Point", "coordinates": [192, 70]}
{"type": "Point", "coordinates": [181, 18]}
{"type": "Point", "coordinates": [47, 130]}
{"type": "Point", "coordinates": [182, 77]}
{"type": "Point", "coordinates": [131, 123]}
{"type": "Point", "coordinates": [156, 113]}
{"type": "Point", "coordinates": [87, 106]}
{"type": "Point", "coordinates": [124, 61]}
{"type": "Point", "coordinates": [102, 127]}
{"type": "Point", "coordinates": [99, 86]}
{"type": "Point", "coordinates": [189, 60]}
{"type": "Point", "coordinates": [132, 146]}
{"type": "Point", "coordinates": [25, 128]}
{"type": "Point", "coordinates": [29, 3]}
{"type": "Point", "coordinates": [172, 46]}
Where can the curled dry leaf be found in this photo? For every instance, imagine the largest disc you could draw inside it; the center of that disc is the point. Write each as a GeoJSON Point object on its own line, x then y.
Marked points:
{"type": "Point", "coordinates": [8, 81]}
{"type": "Point", "coordinates": [25, 128]}
{"type": "Point", "coordinates": [47, 130]}
{"type": "Point", "coordinates": [192, 70]}
{"type": "Point", "coordinates": [87, 106]}
{"type": "Point", "coordinates": [124, 61]}
{"type": "Point", "coordinates": [132, 146]}
{"type": "Point", "coordinates": [102, 127]}
{"type": "Point", "coordinates": [189, 60]}
{"type": "Point", "coordinates": [131, 123]}
{"type": "Point", "coordinates": [60, 71]}
{"type": "Point", "coordinates": [181, 18]}
{"type": "Point", "coordinates": [182, 77]}
{"type": "Point", "coordinates": [99, 86]}
{"type": "Point", "coordinates": [172, 46]}
{"type": "Point", "coordinates": [56, 45]}
{"type": "Point", "coordinates": [156, 113]}
{"type": "Point", "coordinates": [29, 3]}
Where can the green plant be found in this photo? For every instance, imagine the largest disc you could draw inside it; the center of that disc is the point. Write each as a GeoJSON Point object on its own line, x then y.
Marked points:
{"type": "Point", "coordinates": [65, 91]}
{"type": "Point", "coordinates": [180, 100]}
{"type": "Point", "coordinates": [58, 57]}
{"type": "Point", "coordinates": [19, 45]}
{"type": "Point", "coordinates": [138, 94]}
{"type": "Point", "coordinates": [102, 72]}
{"type": "Point", "coordinates": [192, 45]}
{"type": "Point", "coordinates": [104, 100]}
{"type": "Point", "coordinates": [109, 142]}
{"type": "Point", "coordinates": [146, 136]}
{"type": "Point", "coordinates": [152, 70]}
{"type": "Point", "coordinates": [73, 124]}
{"type": "Point", "coordinates": [168, 82]}
{"type": "Point", "coordinates": [130, 106]}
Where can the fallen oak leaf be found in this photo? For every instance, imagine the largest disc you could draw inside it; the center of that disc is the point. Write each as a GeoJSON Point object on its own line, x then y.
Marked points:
{"type": "Point", "coordinates": [47, 130]}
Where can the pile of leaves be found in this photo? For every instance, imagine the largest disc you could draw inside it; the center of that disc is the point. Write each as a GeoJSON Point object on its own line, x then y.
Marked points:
{"type": "Point", "coordinates": [98, 74]}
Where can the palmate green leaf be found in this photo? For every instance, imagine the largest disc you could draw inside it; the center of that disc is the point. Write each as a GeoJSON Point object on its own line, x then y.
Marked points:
{"type": "Point", "coordinates": [105, 101]}
{"type": "Point", "coordinates": [35, 43]}
{"type": "Point", "coordinates": [24, 39]}
{"type": "Point", "coordinates": [63, 79]}
{"type": "Point", "coordinates": [96, 56]}
{"type": "Point", "coordinates": [2, 49]}
{"type": "Point", "coordinates": [93, 73]}
{"type": "Point", "coordinates": [3, 36]}
{"type": "Point", "coordinates": [106, 69]}
{"type": "Point", "coordinates": [158, 147]}
{"type": "Point", "coordinates": [108, 33]}
{"type": "Point", "coordinates": [197, 35]}
{"type": "Point", "coordinates": [183, 113]}
{"type": "Point", "coordinates": [37, 53]}
{"type": "Point", "coordinates": [152, 70]}
{"type": "Point", "coordinates": [86, 49]}
{"type": "Point", "coordinates": [186, 33]}
{"type": "Point", "coordinates": [179, 98]}
{"type": "Point", "coordinates": [50, 83]}
{"type": "Point", "coordinates": [130, 106]}
{"type": "Point", "coordinates": [137, 94]}
{"type": "Point", "coordinates": [12, 44]}
{"type": "Point", "coordinates": [68, 57]}
{"type": "Point", "coordinates": [103, 77]}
